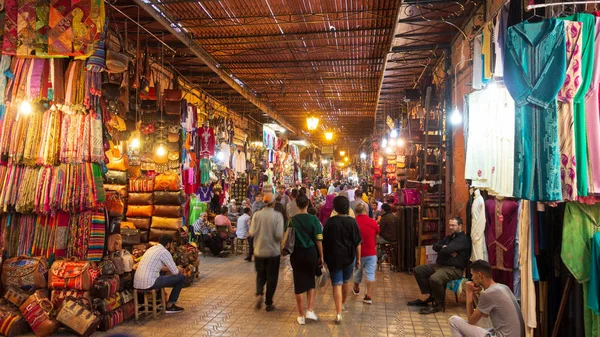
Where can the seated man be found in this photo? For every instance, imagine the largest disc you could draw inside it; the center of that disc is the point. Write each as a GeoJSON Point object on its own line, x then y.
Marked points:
{"type": "Point", "coordinates": [242, 231]}
{"type": "Point", "coordinates": [496, 301]}
{"type": "Point", "coordinates": [155, 260]}
{"type": "Point", "coordinates": [454, 252]}
{"type": "Point", "coordinates": [389, 226]}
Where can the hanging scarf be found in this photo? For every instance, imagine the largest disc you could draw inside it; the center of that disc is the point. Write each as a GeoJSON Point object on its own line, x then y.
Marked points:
{"type": "Point", "coordinates": [9, 46]}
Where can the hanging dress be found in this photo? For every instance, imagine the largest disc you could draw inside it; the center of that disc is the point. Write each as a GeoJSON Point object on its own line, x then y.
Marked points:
{"type": "Point", "coordinates": [592, 118]}
{"type": "Point", "coordinates": [534, 71]}
{"type": "Point", "coordinates": [566, 106]}
{"type": "Point", "coordinates": [588, 33]}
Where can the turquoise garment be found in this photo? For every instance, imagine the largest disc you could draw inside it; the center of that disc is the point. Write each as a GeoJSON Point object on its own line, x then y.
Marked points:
{"type": "Point", "coordinates": [534, 72]}
{"type": "Point", "coordinates": [588, 35]}
{"type": "Point", "coordinates": [594, 286]}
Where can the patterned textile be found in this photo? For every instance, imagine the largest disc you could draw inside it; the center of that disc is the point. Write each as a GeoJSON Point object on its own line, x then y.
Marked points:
{"type": "Point", "coordinates": [74, 27]}
{"type": "Point", "coordinates": [11, 10]}
{"type": "Point", "coordinates": [97, 236]}
{"type": "Point", "coordinates": [565, 111]}
{"type": "Point", "coordinates": [42, 10]}
{"type": "Point", "coordinates": [26, 22]}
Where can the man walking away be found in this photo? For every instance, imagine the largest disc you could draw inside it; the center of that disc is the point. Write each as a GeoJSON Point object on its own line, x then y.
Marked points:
{"type": "Point", "coordinates": [368, 261]}
{"type": "Point", "coordinates": [454, 252]}
{"type": "Point", "coordinates": [267, 229]}
{"type": "Point", "coordinates": [357, 201]}
{"type": "Point", "coordinates": [291, 207]}
{"type": "Point", "coordinates": [495, 301]}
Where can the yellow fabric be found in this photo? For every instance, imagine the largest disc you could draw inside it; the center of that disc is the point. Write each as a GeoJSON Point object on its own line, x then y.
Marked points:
{"type": "Point", "coordinates": [365, 198]}
{"type": "Point", "coordinates": [486, 50]}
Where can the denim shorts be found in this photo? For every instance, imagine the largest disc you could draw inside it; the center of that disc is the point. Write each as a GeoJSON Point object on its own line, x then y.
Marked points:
{"type": "Point", "coordinates": [340, 276]}
{"type": "Point", "coordinates": [369, 265]}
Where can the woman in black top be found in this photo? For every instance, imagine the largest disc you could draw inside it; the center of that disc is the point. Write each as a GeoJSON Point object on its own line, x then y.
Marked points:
{"type": "Point", "coordinates": [341, 247]}
{"type": "Point", "coordinates": [306, 257]}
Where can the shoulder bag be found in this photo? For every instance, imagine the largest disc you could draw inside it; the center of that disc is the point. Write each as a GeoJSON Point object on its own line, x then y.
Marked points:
{"type": "Point", "coordinates": [72, 274]}
{"type": "Point", "coordinates": [25, 272]}
{"type": "Point", "coordinates": [12, 322]}
{"type": "Point", "coordinates": [131, 236]}
{"type": "Point", "coordinates": [15, 296]}
{"type": "Point", "coordinates": [77, 316]}
{"type": "Point", "coordinates": [105, 286]}
{"type": "Point", "coordinates": [37, 310]}
{"type": "Point", "coordinates": [57, 297]}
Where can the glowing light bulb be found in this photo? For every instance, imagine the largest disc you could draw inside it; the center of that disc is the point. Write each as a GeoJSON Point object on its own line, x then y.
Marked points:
{"type": "Point", "coordinates": [455, 118]}
{"type": "Point", "coordinates": [394, 133]}
{"type": "Point", "coordinates": [329, 135]}
{"type": "Point", "coordinates": [392, 142]}
{"type": "Point", "coordinates": [389, 150]}
{"type": "Point", "coordinates": [161, 151]}
{"type": "Point", "coordinates": [220, 155]}
{"type": "Point", "coordinates": [324, 161]}
{"type": "Point", "coordinates": [25, 108]}
{"type": "Point", "coordinates": [135, 143]}
{"type": "Point", "coordinates": [400, 142]}
{"type": "Point", "coordinates": [384, 142]}
{"type": "Point", "coordinates": [346, 159]}
{"type": "Point", "coordinates": [342, 153]}
{"type": "Point", "coordinates": [363, 156]}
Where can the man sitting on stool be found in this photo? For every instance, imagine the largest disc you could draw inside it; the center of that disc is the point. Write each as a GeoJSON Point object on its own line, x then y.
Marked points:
{"type": "Point", "coordinates": [155, 260]}
{"type": "Point", "coordinates": [453, 255]}
{"type": "Point", "coordinates": [496, 301]}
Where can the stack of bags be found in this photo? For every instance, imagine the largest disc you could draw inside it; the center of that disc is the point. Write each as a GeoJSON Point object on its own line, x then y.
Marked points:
{"type": "Point", "coordinates": [140, 205]}
{"type": "Point", "coordinates": [168, 210]}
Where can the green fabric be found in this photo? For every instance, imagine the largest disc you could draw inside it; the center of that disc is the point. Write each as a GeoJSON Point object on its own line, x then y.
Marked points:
{"type": "Point", "coordinates": [588, 32]}
{"type": "Point", "coordinates": [308, 230]}
{"type": "Point", "coordinates": [581, 222]}
{"type": "Point", "coordinates": [197, 207]}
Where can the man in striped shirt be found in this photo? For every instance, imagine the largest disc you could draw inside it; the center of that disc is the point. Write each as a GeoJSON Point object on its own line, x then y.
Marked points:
{"type": "Point", "coordinates": [155, 260]}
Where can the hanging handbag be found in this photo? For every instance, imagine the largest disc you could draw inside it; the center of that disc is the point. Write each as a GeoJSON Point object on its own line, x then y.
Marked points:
{"type": "Point", "coordinates": [166, 223]}
{"type": "Point", "coordinates": [130, 236]}
{"type": "Point", "coordinates": [15, 296]}
{"type": "Point", "coordinates": [139, 211]}
{"type": "Point", "coordinates": [121, 189]}
{"type": "Point", "coordinates": [114, 242]}
{"type": "Point", "coordinates": [76, 314]}
{"type": "Point", "coordinates": [117, 163]}
{"type": "Point", "coordinates": [289, 239]}
{"type": "Point", "coordinates": [142, 184]}
{"type": "Point", "coordinates": [72, 274]}
{"type": "Point", "coordinates": [116, 177]}
{"type": "Point", "coordinates": [140, 198]}
{"type": "Point", "coordinates": [25, 272]}
{"type": "Point", "coordinates": [104, 287]}
{"type": "Point", "coordinates": [37, 310]}
{"type": "Point", "coordinates": [116, 61]}
{"type": "Point", "coordinates": [12, 322]}
{"type": "Point", "coordinates": [172, 95]}
{"type": "Point", "coordinates": [168, 181]}
{"type": "Point", "coordinates": [173, 108]}
{"type": "Point", "coordinates": [141, 223]}
{"type": "Point", "coordinates": [410, 197]}
{"type": "Point", "coordinates": [168, 198]}
{"type": "Point", "coordinates": [58, 296]}
{"type": "Point", "coordinates": [114, 204]}
{"type": "Point", "coordinates": [167, 211]}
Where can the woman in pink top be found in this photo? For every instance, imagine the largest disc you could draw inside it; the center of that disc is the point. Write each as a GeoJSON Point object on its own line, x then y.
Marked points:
{"type": "Point", "coordinates": [223, 220]}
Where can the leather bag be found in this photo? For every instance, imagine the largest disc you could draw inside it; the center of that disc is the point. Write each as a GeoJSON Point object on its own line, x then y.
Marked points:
{"type": "Point", "coordinates": [145, 235]}
{"type": "Point", "coordinates": [114, 318]}
{"type": "Point", "coordinates": [114, 204]}
{"type": "Point", "coordinates": [168, 198]}
{"type": "Point", "coordinates": [72, 274]}
{"type": "Point", "coordinates": [289, 240]}
{"type": "Point", "coordinates": [167, 211]}
{"type": "Point", "coordinates": [25, 272]}
{"type": "Point", "coordinates": [116, 177]}
{"type": "Point", "coordinates": [107, 267]}
{"type": "Point", "coordinates": [76, 314]}
{"type": "Point", "coordinates": [121, 189]}
{"type": "Point", "coordinates": [12, 322]}
{"type": "Point", "coordinates": [58, 296]}
{"type": "Point", "coordinates": [117, 163]}
{"type": "Point", "coordinates": [126, 281]}
{"type": "Point", "coordinates": [139, 210]}
{"type": "Point", "coordinates": [127, 261]}
{"type": "Point", "coordinates": [115, 226]}
{"type": "Point", "coordinates": [37, 310]}
{"type": "Point", "coordinates": [141, 223]}
{"type": "Point", "coordinates": [166, 223]}
{"type": "Point", "coordinates": [108, 304]}
{"type": "Point", "coordinates": [141, 198]}
{"type": "Point", "coordinates": [115, 242]}
{"type": "Point", "coordinates": [156, 233]}
{"type": "Point", "coordinates": [117, 260]}
{"type": "Point", "coordinates": [141, 184]}
{"type": "Point", "coordinates": [104, 287]}
{"type": "Point", "coordinates": [167, 181]}
{"type": "Point", "coordinates": [172, 95]}
{"type": "Point", "coordinates": [130, 236]}
{"type": "Point", "coordinates": [127, 224]}
{"type": "Point", "coordinates": [15, 296]}
{"type": "Point", "coordinates": [126, 296]}
{"type": "Point", "coordinates": [172, 108]}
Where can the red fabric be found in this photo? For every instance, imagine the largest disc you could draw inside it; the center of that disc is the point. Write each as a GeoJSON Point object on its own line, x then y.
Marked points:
{"type": "Point", "coordinates": [206, 138]}
{"type": "Point", "coordinates": [368, 231]}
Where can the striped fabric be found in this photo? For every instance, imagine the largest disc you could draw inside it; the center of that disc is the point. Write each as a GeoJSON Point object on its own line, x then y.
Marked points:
{"type": "Point", "coordinates": [97, 236]}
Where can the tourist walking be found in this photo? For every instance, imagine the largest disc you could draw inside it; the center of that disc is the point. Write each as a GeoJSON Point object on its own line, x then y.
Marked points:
{"type": "Point", "coordinates": [306, 257]}
{"type": "Point", "coordinates": [267, 229]}
{"type": "Point", "coordinates": [341, 250]}
{"type": "Point", "coordinates": [368, 261]}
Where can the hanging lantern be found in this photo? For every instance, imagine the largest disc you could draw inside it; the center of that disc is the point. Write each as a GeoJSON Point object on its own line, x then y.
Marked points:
{"type": "Point", "coordinates": [312, 123]}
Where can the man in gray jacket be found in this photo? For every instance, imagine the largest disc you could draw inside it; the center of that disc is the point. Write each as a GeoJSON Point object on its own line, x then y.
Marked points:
{"type": "Point", "coordinates": [267, 230]}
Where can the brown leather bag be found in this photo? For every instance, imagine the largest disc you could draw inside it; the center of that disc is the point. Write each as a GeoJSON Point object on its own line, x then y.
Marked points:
{"type": "Point", "coordinates": [140, 198]}
{"type": "Point", "coordinates": [172, 95]}
{"type": "Point", "coordinates": [37, 310]}
{"type": "Point", "coordinates": [172, 107]}
{"type": "Point", "coordinates": [25, 272]}
{"type": "Point", "coordinates": [156, 233]}
{"type": "Point", "coordinates": [76, 314]}
{"type": "Point", "coordinates": [121, 189]}
{"type": "Point", "coordinates": [12, 322]}
{"type": "Point", "coordinates": [166, 223]}
{"type": "Point", "coordinates": [115, 243]}
{"type": "Point", "coordinates": [16, 296]}
{"type": "Point", "coordinates": [117, 163]}
{"type": "Point", "coordinates": [139, 210]}
{"type": "Point", "coordinates": [167, 211]}
{"type": "Point", "coordinates": [168, 198]}
{"type": "Point", "coordinates": [167, 181]}
{"type": "Point", "coordinates": [141, 223]}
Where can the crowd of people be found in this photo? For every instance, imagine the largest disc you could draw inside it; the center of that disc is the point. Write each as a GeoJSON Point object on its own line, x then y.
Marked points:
{"type": "Point", "coordinates": [337, 231]}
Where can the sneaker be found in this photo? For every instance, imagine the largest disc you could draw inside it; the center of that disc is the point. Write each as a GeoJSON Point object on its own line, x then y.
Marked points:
{"type": "Point", "coordinates": [338, 319]}
{"type": "Point", "coordinates": [301, 320]}
{"type": "Point", "coordinates": [174, 309]}
{"type": "Point", "coordinates": [270, 307]}
{"type": "Point", "coordinates": [356, 291]}
{"type": "Point", "coordinates": [367, 300]}
{"type": "Point", "coordinates": [259, 301]}
{"type": "Point", "coordinates": [312, 315]}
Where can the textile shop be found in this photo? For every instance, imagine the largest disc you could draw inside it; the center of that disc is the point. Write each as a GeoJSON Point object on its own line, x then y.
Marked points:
{"type": "Point", "coordinates": [533, 162]}
{"type": "Point", "coordinates": [103, 150]}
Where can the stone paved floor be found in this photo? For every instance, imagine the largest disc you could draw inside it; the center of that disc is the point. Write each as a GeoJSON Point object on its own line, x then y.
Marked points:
{"type": "Point", "coordinates": [222, 303]}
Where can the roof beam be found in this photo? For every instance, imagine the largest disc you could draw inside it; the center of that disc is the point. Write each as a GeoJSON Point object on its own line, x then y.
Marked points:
{"type": "Point", "coordinates": [252, 36]}
{"type": "Point", "coordinates": [419, 18]}
{"type": "Point", "coordinates": [262, 64]}
{"type": "Point", "coordinates": [438, 46]}
{"type": "Point", "coordinates": [425, 34]}
{"type": "Point", "coordinates": [162, 17]}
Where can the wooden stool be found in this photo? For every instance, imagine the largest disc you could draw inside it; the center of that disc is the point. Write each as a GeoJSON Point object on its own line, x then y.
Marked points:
{"type": "Point", "coordinates": [241, 246]}
{"type": "Point", "coordinates": [146, 307]}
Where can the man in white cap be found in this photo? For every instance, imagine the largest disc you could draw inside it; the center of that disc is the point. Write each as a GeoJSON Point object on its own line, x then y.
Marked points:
{"type": "Point", "coordinates": [267, 230]}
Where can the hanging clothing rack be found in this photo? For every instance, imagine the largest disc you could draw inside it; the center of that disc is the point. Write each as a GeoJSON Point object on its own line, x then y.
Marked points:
{"type": "Point", "coordinates": [530, 7]}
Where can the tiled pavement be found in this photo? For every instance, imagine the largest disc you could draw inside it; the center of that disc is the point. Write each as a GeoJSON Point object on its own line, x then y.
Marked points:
{"type": "Point", "coordinates": [221, 303]}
